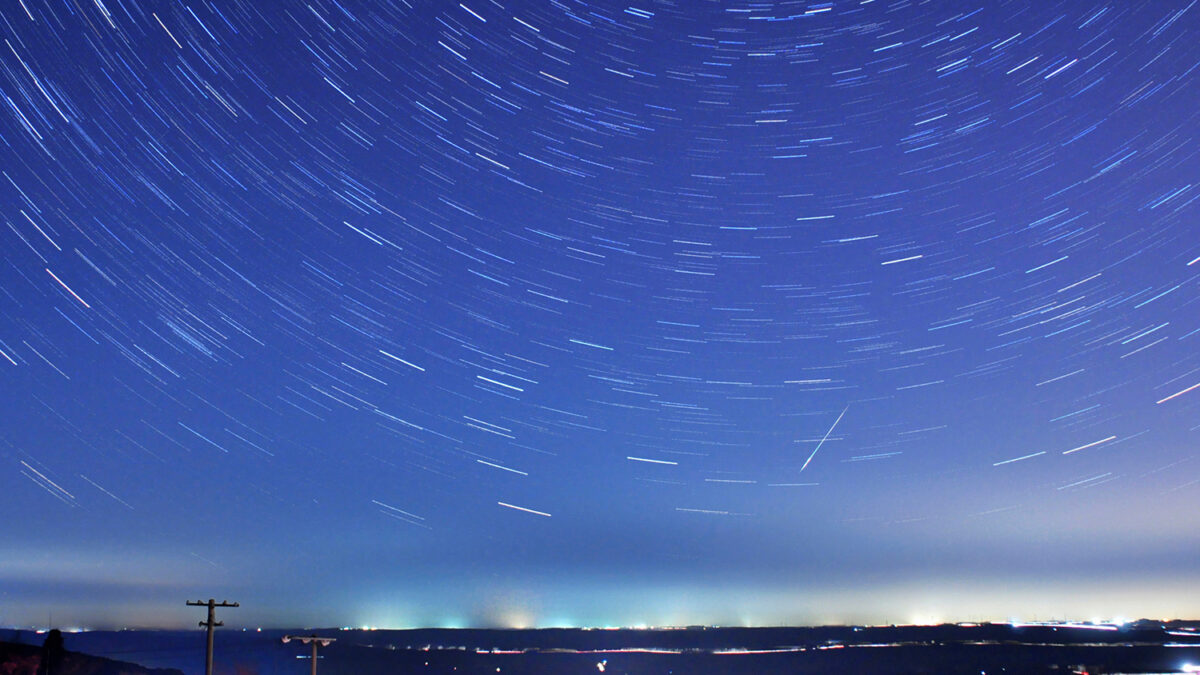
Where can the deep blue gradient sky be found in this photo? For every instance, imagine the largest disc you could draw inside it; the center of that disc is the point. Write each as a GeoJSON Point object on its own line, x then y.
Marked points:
{"type": "Point", "coordinates": [566, 313]}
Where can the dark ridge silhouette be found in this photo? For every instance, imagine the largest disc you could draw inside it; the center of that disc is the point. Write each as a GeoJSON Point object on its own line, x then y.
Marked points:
{"type": "Point", "coordinates": [52, 659]}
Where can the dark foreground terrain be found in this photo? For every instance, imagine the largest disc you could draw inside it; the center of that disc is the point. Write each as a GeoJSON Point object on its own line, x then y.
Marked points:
{"type": "Point", "coordinates": [1142, 647]}
{"type": "Point", "coordinates": [29, 659]}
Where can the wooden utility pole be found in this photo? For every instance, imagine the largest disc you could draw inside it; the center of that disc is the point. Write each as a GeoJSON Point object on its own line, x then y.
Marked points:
{"type": "Point", "coordinates": [210, 624]}
{"type": "Point", "coordinates": [314, 641]}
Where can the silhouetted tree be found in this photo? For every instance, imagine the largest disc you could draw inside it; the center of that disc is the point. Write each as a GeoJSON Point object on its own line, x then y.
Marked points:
{"type": "Point", "coordinates": [52, 653]}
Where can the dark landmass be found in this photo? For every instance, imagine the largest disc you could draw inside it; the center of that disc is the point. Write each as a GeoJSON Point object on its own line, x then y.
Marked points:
{"type": "Point", "coordinates": [1139, 647]}
{"type": "Point", "coordinates": [30, 659]}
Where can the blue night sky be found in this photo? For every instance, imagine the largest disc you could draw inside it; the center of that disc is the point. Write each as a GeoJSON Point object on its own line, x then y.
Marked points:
{"type": "Point", "coordinates": [562, 313]}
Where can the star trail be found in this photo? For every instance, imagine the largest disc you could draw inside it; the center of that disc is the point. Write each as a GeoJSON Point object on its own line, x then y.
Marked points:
{"type": "Point", "coordinates": [586, 313]}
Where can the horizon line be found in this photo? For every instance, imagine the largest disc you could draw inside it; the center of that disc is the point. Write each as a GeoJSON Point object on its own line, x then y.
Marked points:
{"type": "Point", "coordinates": [1116, 622]}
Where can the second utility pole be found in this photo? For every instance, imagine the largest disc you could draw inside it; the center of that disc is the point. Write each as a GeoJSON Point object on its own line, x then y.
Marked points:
{"type": "Point", "coordinates": [314, 641]}
{"type": "Point", "coordinates": [210, 624]}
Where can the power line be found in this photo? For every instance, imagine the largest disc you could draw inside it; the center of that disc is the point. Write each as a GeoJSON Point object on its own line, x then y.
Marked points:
{"type": "Point", "coordinates": [210, 624]}
{"type": "Point", "coordinates": [314, 641]}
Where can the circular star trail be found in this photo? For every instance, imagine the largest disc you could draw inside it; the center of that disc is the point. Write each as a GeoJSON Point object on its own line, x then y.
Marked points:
{"type": "Point", "coordinates": [435, 313]}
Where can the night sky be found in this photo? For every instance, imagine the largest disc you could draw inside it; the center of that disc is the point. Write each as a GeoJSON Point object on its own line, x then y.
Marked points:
{"type": "Point", "coordinates": [563, 313]}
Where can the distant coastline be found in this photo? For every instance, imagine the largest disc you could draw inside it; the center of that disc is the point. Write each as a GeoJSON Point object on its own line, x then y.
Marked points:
{"type": "Point", "coordinates": [1141, 646]}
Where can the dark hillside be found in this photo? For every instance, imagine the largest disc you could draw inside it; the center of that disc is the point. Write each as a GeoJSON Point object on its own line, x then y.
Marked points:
{"type": "Point", "coordinates": [22, 659]}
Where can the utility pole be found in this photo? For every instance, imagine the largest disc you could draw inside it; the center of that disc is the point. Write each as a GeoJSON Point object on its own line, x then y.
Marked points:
{"type": "Point", "coordinates": [210, 625]}
{"type": "Point", "coordinates": [314, 641]}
